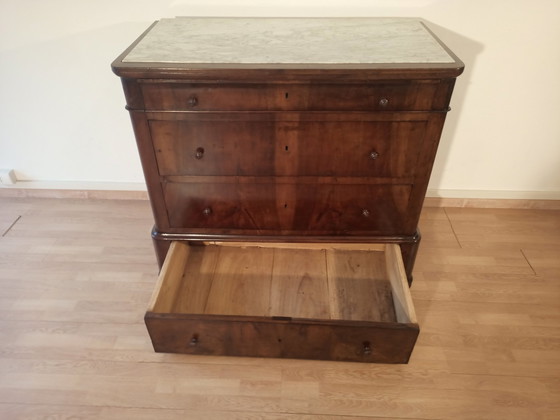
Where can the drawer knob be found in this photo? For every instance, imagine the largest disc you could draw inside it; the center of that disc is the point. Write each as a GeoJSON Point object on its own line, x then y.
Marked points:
{"type": "Point", "coordinates": [373, 154]}
{"type": "Point", "coordinates": [207, 211]}
{"type": "Point", "coordinates": [192, 101]}
{"type": "Point", "coordinates": [383, 102]}
{"type": "Point", "coordinates": [367, 348]}
{"type": "Point", "coordinates": [194, 341]}
{"type": "Point", "coordinates": [365, 213]}
{"type": "Point", "coordinates": [199, 153]}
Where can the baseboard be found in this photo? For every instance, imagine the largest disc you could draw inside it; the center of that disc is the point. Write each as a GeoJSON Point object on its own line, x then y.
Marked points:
{"type": "Point", "coordinates": [85, 190]}
{"type": "Point", "coordinates": [546, 200]}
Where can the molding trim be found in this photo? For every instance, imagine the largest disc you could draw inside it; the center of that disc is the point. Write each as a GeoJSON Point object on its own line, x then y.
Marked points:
{"type": "Point", "coordinates": [83, 190]}
{"type": "Point", "coordinates": [544, 200]}
{"type": "Point", "coordinates": [487, 203]}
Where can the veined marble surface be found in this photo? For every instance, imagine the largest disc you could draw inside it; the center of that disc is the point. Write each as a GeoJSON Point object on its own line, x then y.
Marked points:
{"type": "Point", "coordinates": [289, 40]}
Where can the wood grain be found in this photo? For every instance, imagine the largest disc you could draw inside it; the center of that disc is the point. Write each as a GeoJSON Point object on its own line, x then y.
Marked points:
{"type": "Point", "coordinates": [402, 302]}
{"type": "Point", "coordinates": [299, 288]}
{"type": "Point", "coordinates": [196, 279]}
{"type": "Point", "coordinates": [295, 280]}
{"type": "Point", "coordinates": [76, 276]}
{"type": "Point", "coordinates": [166, 290]}
{"type": "Point", "coordinates": [241, 284]}
{"type": "Point", "coordinates": [358, 286]}
{"type": "Point", "coordinates": [416, 96]}
{"type": "Point", "coordinates": [305, 246]}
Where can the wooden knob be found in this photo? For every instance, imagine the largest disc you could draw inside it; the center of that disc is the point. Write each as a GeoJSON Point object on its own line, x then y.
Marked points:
{"type": "Point", "coordinates": [199, 153]}
{"type": "Point", "coordinates": [192, 101]}
{"type": "Point", "coordinates": [367, 348]}
{"type": "Point", "coordinates": [194, 340]}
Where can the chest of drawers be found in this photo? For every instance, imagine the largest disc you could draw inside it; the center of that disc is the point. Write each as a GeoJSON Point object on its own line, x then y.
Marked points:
{"type": "Point", "coordinates": [286, 161]}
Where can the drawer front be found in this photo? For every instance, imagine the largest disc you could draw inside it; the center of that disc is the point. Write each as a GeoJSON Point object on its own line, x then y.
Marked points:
{"type": "Point", "coordinates": [387, 96]}
{"type": "Point", "coordinates": [282, 339]}
{"type": "Point", "coordinates": [287, 148]}
{"type": "Point", "coordinates": [283, 208]}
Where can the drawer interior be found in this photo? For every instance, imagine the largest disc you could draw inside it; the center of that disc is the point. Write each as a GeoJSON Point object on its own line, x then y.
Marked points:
{"type": "Point", "coordinates": [319, 281]}
{"type": "Point", "coordinates": [347, 302]}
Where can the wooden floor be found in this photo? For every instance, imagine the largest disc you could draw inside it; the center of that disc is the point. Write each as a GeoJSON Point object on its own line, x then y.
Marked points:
{"type": "Point", "coordinates": [76, 277]}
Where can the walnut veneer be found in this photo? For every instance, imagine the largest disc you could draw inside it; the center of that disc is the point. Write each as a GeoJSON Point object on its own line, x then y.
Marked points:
{"type": "Point", "coordinates": [272, 153]}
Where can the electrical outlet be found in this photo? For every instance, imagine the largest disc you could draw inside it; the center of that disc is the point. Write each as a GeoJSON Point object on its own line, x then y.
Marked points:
{"type": "Point", "coordinates": [7, 177]}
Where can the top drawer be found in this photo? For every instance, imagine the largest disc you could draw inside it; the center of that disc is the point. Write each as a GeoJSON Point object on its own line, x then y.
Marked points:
{"type": "Point", "coordinates": [389, 96]}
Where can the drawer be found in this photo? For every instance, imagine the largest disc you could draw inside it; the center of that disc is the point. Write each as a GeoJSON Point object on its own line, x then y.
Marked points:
{"type": "Point", "coordinates": [386, 96]}
{"type": "Point", "coordinates": [287, 208]}
{"type": "Point", "coordinates": [346, 302]}
{"type": "Point", "coordinates": [287, 148]}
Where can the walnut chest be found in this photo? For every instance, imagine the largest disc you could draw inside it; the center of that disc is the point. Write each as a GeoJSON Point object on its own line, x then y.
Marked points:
{"type": "Point", "coordinates": [286, 161]}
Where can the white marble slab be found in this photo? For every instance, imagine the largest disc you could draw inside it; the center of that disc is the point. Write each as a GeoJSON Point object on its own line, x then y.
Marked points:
{"type": "Point", "coordinates": [289, 40]}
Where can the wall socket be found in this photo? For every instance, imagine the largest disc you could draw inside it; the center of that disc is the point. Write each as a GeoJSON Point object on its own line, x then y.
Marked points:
{"type": "Point", "coordinates": [7, 177]}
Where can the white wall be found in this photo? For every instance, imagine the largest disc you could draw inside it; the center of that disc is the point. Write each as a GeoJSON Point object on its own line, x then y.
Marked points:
{"type": "Point", "coordinates": [62, 114]}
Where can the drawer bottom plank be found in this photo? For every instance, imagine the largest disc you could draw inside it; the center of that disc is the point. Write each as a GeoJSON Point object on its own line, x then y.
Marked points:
{"type": "Point", "coordinates": [302, 289]}
{"type": "Point", "coordinates": [241, 284]}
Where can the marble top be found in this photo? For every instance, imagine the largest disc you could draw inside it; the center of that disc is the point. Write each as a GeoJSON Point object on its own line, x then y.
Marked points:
{"type": "Point", "coordinates": [288, 40]}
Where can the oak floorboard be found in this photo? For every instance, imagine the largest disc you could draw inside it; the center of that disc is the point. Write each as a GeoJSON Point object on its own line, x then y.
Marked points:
{"type": "Point", "coordinates": [23, 411]}
{"type": "Point", "coordinates": [76, 276]}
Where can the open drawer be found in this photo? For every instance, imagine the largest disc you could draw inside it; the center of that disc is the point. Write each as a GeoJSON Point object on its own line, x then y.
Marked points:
{"type": "Point", "coordinates": [347, 302]}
